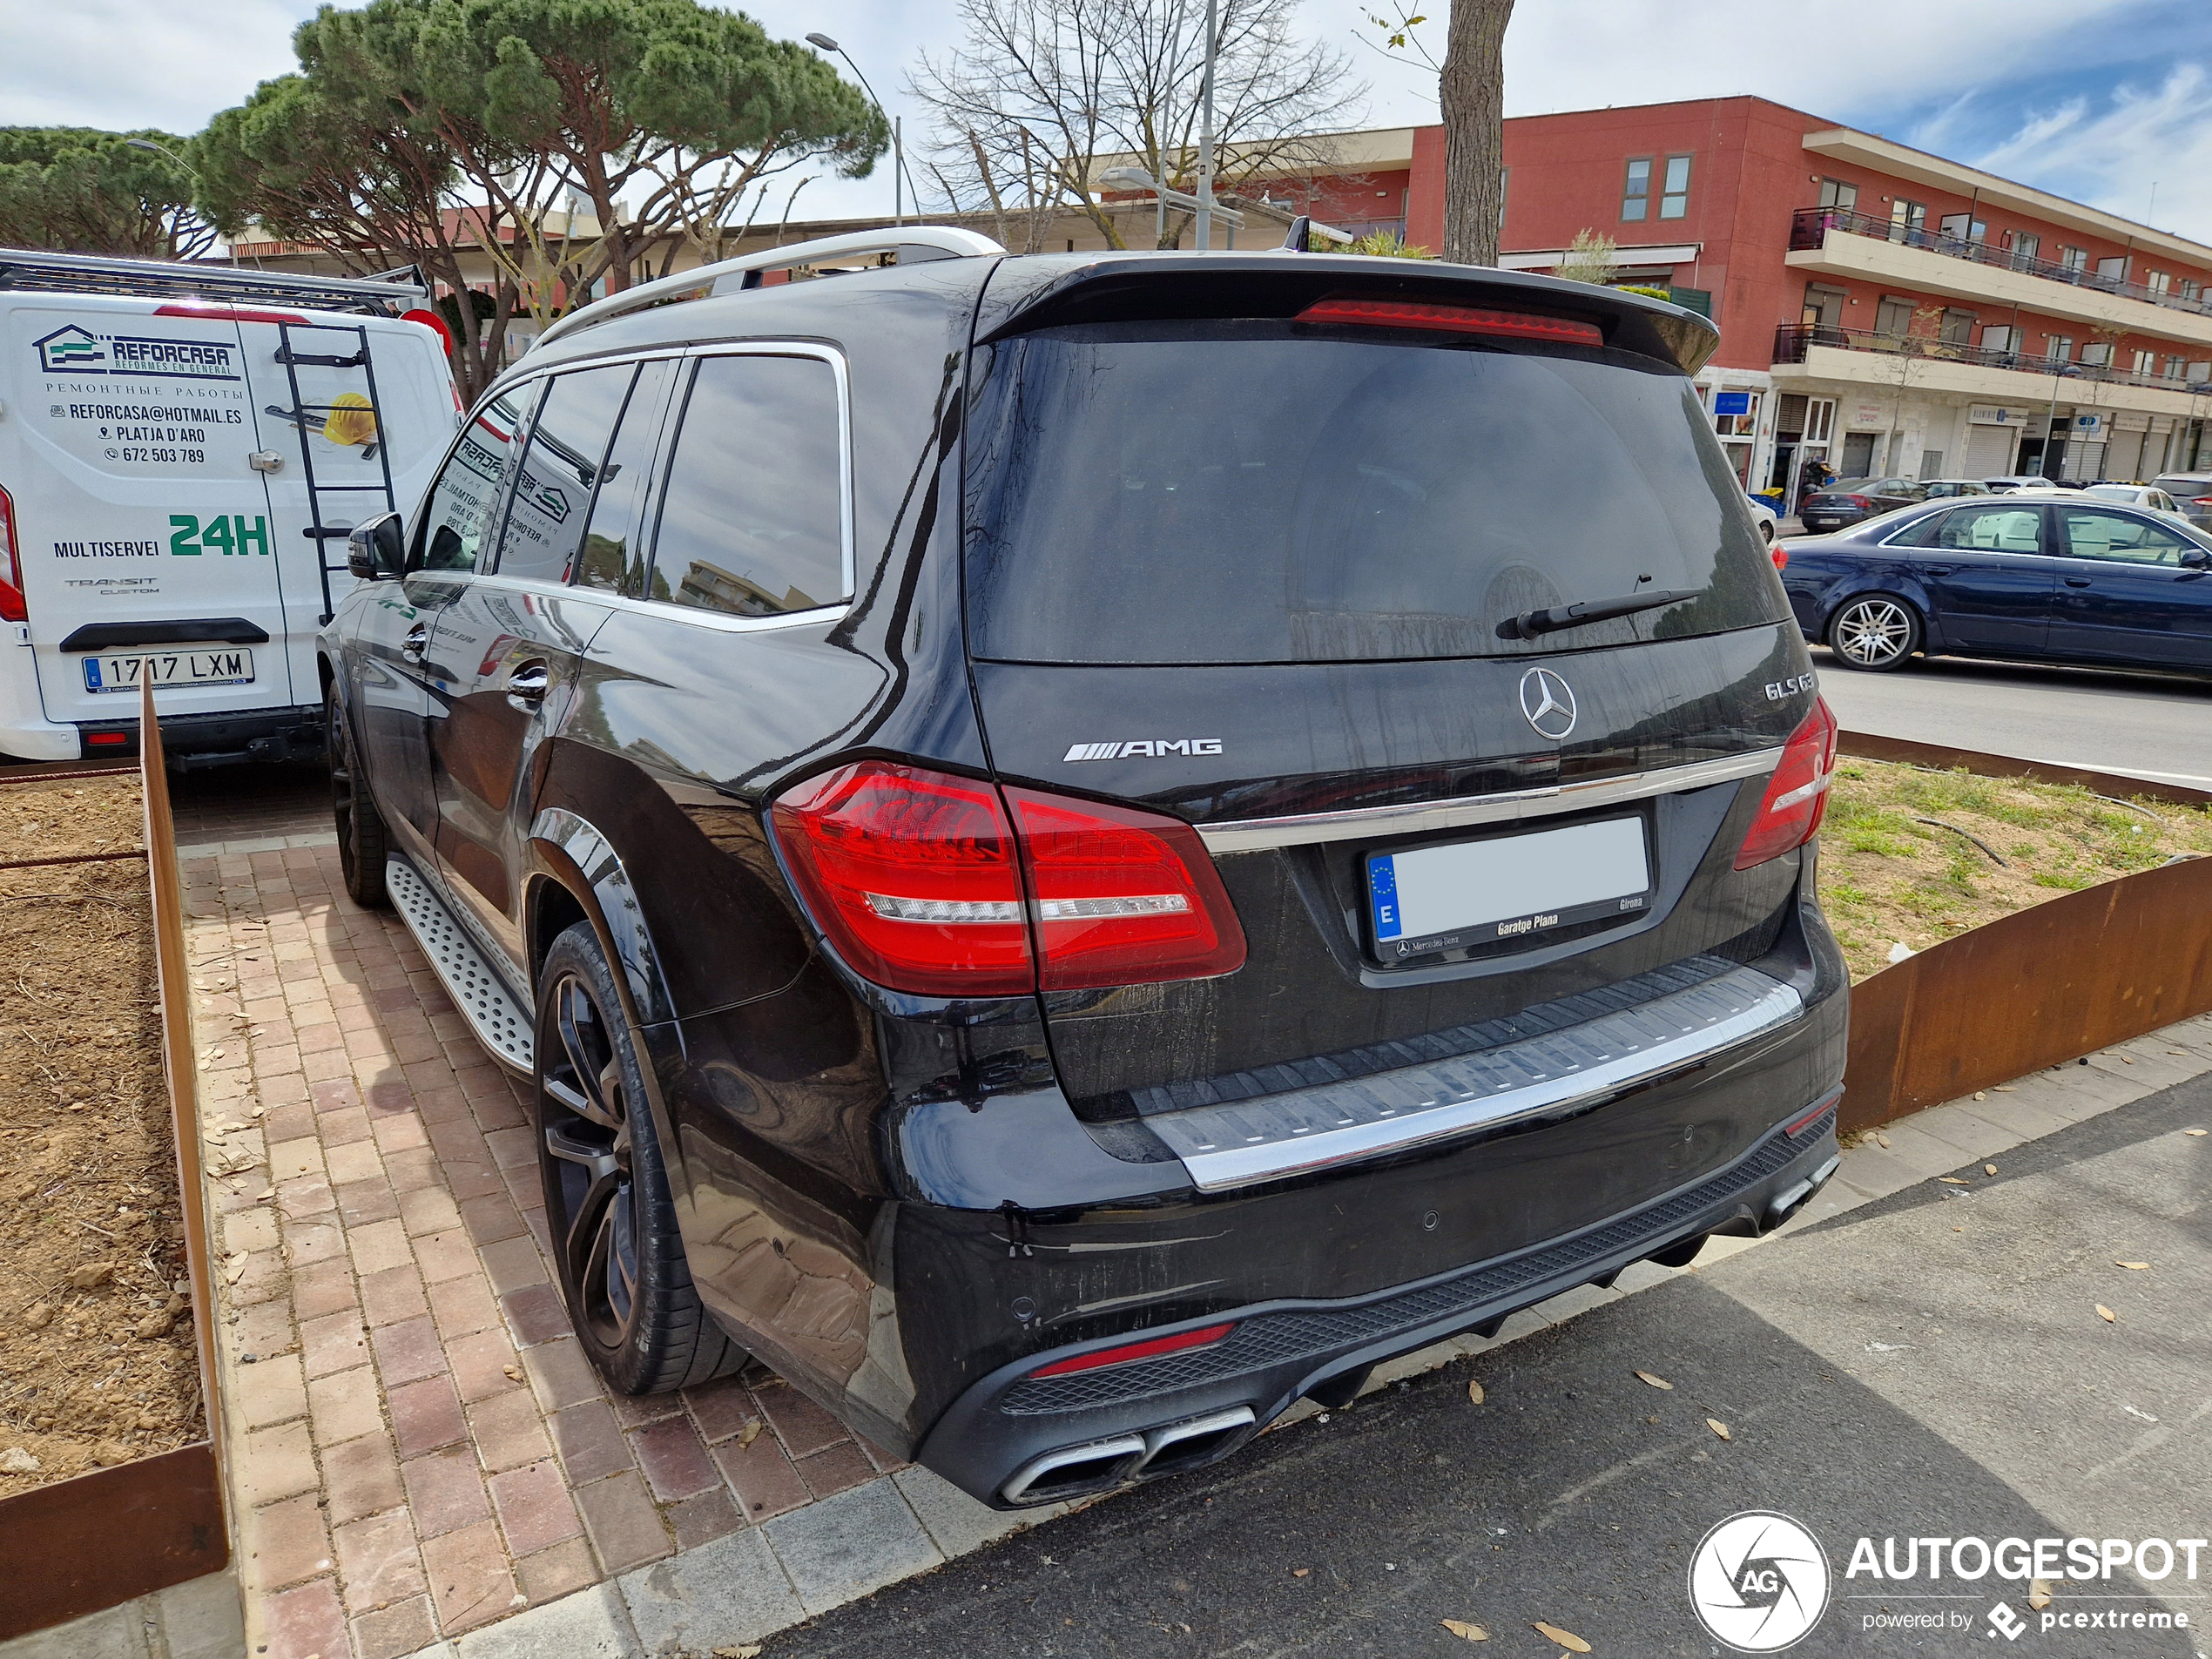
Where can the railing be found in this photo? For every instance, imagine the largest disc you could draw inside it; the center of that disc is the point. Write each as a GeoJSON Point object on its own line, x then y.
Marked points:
{"type": "Point", "coordinates": [1809, 228]}
{"type": "Point", "coordinates": [1791, 340]}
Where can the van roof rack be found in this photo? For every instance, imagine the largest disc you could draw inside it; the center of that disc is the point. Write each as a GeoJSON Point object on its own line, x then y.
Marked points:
{"type": "Point", "coordinates": [27, 269]}
{"type": "Point", "coordinates": [913, 244]}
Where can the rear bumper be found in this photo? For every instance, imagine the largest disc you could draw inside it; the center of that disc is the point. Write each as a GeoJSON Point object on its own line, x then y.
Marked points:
{"type": "Point", "coordinates": [1013, 1440]}
{"type": "Point", "coordinates": [192, 741]}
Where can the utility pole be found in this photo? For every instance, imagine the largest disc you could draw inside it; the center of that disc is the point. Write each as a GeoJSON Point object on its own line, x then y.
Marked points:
{"type": "Point", "coordinates": [1205, 133]}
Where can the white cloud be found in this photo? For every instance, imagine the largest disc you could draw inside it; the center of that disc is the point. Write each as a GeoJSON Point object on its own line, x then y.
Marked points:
{"type": "Point", "coordinates": [122, 64]}
{"type": "Point", "coordinates": [2156, 138]}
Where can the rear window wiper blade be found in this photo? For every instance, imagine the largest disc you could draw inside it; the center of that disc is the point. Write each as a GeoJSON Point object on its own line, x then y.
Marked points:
{"type": "Point", "coordinates": [1529, 625]}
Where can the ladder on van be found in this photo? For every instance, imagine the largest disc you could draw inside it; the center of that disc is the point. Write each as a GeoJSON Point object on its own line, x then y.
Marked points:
{"type": "Point", "coordinates": [309, 418]}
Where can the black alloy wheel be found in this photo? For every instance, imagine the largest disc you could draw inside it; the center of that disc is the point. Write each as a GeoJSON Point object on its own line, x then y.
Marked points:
{"type": "Point", "coordinates": [361, 841]}
{"type": "Point", "coordinates": [607, 1204]}
{"type": "Point", "coordinates": [1875, 633]}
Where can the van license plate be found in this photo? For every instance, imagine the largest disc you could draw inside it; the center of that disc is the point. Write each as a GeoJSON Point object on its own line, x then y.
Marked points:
{"type": "Point", "coordinates": [169, 668]}
{"type": "Point", "coordinates": [1476, 892]}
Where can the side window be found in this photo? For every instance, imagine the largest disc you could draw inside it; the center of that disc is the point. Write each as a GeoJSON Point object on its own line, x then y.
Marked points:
{"type": "Point", "coordinates": [2119, 536]}
{"type": "Point", "coordinates": [613, 550]}
{"type": "Point", "coordinates": [1983, 530]}
{"type": "Point", "coordinates": [553, 490]}
{"type": "Point", "coordinates": [751, 517]}
{"type": "Point", "coordinates": [462, 501]}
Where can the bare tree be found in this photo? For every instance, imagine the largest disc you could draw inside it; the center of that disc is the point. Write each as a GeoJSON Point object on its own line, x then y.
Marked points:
{"type": "Point", "coordinates": [1473, 88]}
{"type": "Point", "coordinates": [1041, 92]}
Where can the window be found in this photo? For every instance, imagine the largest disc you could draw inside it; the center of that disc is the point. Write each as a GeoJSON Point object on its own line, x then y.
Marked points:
{"type": "Point", "coordinates": [2075, 259]}
{"type": "Point", "coordinates": [613, 551]}
{"type": "Point", "coordinates": [752, 522]}
{"type": "Point", "coordinates": [1823, 307]}
{"type": "Point", "coordinates": [2143, 362]}
{"type": "Point", "coordinates": [2114, 269]}
{"type": "Point", "coordinates": [552, 497]}
{"type": "Point", "coordinates": [2199, 371]}
{"type": "Point", "coordinates": [1893, 317]}
{"type": "Point", "coordinates": [1964, 227]}
{"type": "Point", "coordinates": [1930, 463]}
{"type": "Point", "coordinates": [463, 499]}
{"type": "Point", "coordinates": [2171, 367]}
{"type": "Point", "coordinates": [2091, 534]}
{"type": "Point", "coordinates": [2097, 354]}
{"type": "Point", "coordinates": [2059, 348]}
{"type": "Point", "coordinates": [1636, 194]}
{"type": "Point", "coordinates": [2158, 281]}
{"type": "Point", "coordinates": [2001, 337]}
{"type": "Point", "coordinates": [2026, 247]}
{"type": "Point", "coordinates": [2190, 289]}
{"type": "Point", "coordinates": [1673, 199]}
{"type": "Point", "coordinates": [1834, 192]}
{"type": "Point", "coordinates": [1908, 221]}
{"type": "Point", "coordinates": [1957, 328]}
{"type": "Point", "coordinates": [1989, 530]}
{"type": "Point", "coordinates": [1736, 413]}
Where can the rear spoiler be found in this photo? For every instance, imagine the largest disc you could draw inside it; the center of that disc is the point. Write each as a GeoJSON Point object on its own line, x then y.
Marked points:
{"type": "Point", "coordinates": [1053, 290]}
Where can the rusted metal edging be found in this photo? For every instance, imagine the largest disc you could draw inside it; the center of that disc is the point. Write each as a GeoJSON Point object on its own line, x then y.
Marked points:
{"type": "Point", "coordinates": [1942, 758]}
{"type": "Point", "coordinates": [84, 1545]}
{"type": "Point", "coordinates": [75, 858]}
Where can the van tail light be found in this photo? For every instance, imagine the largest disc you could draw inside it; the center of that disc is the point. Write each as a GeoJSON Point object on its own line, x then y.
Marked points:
{"type": "Point", "coordinates": [12, 607]}
{"type": "Point", "coordinates": [1121, 897]}
{"type": "Point", "coordinates": [922, 882]}
{"type": "Point", "coordinates": [1796, 796]}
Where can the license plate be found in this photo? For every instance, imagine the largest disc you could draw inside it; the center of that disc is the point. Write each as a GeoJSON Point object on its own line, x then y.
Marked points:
{"type": "Point", "coordinates": [225, 667]}
{"type": "Point", "coordinates": [1475, 893]}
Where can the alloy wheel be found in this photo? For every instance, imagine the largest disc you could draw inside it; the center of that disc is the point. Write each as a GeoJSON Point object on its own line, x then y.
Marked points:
{"type": "Point", "coordinates": [590, 1176]}
{"type": "Point", "coordinates": [1873, 633]}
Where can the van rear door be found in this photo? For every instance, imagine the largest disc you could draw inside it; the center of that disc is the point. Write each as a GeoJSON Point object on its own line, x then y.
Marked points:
{"type": "Point", "coordinates": [144, 532]}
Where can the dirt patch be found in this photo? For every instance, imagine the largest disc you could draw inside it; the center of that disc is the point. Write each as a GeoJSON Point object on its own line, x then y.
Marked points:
{"type": "Point", "coordinates": [97, 1360]}
{"type": "Point", "coordinates": [1890, 876]}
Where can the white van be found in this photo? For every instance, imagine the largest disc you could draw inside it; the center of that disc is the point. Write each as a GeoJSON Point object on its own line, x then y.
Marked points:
{"type": "Point", "coordinates": [183, 448]}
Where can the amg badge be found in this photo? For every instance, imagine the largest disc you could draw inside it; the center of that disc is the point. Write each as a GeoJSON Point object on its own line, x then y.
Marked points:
{"type": "Point", "coordinates": [1121, 750]}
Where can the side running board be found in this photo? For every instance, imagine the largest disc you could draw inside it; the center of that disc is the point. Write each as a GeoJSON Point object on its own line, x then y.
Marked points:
{"type": "Point", "coordinates": [500, 1023]}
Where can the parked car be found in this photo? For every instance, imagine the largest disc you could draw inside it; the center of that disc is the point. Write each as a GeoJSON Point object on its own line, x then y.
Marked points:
{"type": "Point", "coordinates": [2192, 494]}
{"type": "Point", "coordinates": [2027, 481]}
{"type": "Point", "coordinates": [1940, 489]}
{"type": "Point", "coordinates": [184, 450]}
{"type": "Point", "coordinates": [1764, 516]}
{"type": "Point", "coordinates": [2149, 497]}
{"type": "Point", "coordinates": [1011, 917]}
{"type": "Point", "coordinates": [1854, 500]}
{"type": "Point", "coordinates": [2070, 578]}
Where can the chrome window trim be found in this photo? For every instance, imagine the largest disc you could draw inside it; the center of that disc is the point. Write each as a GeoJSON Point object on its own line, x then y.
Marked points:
{"type": "Point", "coordinates": [1260, 834]}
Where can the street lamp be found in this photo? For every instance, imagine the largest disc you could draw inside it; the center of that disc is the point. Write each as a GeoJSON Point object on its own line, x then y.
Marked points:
{"type": "Point", "coordinates": [2060, 372]}
{"type": "Point", "coordinates": [900, 180]}
{"type": "Point", "coordinates": [1137, 179]}
{"type": "Point", "coordinates": [148, 144]}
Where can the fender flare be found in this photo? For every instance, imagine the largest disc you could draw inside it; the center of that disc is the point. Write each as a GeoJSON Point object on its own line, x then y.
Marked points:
{"type": "Point", "coordinates": [568, 850]}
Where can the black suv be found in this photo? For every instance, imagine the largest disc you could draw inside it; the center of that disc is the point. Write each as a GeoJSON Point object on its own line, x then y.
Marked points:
{"type": "Point", "coordinates": [1080, 847]}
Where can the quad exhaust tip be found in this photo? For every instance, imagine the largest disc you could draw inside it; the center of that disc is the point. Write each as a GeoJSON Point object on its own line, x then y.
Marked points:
{"type": "Point", "coordinates": [1078, 1471]}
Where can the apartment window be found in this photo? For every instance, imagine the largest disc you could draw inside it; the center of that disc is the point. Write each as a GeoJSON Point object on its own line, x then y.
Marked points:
{"type": "Point", "coordinates": [1964, 227]}
{"type": "Point", "coordinates": [2171, 368]}
{"type": "Point", "coordinates": [2001, 337]}
{"type": "Point", "coordinates": [2097, 354]}
{"type": "Point", "coordinates": [1636, 194]}
{"type": "Point", "coordinates": [2075, 259]}
{"type": "Point", "coordinates": [1673, 199]}
{"type": "Point", "coordinates": [2158, 281]}
{"type": "Point", "coordinates": [2199, 373]}
{"type": "Point", "coordinates": [1823, 307]}
{"type": "Point", "coordinates": [2190, 289]}
{"type": "Point", "coordinates": [2026, 245]}
{"type": "Point", "coordinates": [2114, 269]}
{"type": "Point", "coordinates": [2142, 362]}
{"type": "Point", "coordinates": [1958, 328]}
{"type": "Point", "coordinates": [1834, 192]}
{"type": "Point", "coordinates": [2059, 348]}
{"type": "Point", "coordinates": [1908, 221]}
{"type": "Point", "coordinates": [1893, 317]}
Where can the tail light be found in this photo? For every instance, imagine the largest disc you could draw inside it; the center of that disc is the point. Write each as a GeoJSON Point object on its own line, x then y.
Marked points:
{"type": "Point", "coordinates": [2202, 501]}
{"type": "Point", "coordinates": [1150, 1348]}
{"type": "Point", "coordinates": [1857, 501]}
{"type": "Point", "coordinates": [12, 607]}
{"type": "Point", "coordinates": [1780, 554]}
{"type": "Point", "coordinates": [923, 883]}
{"type": "Point", "coordinates": [1796, 796]}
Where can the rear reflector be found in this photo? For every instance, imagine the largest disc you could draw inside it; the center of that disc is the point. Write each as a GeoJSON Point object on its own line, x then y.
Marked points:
{"type": "Point", "coordinates": [12, 607]}
{"type": "Point", "coordinates": [106, 740]}
{"type": "Point", "coordinates": [1798, 1125]}
{"type": "Point", "coordinates": [1459, 319]}
{"type": "Point", "coordinates": [1796, 796]}
{"type": "Point", "coordinates": [1150, 1349]}
{"type": "Point", "coordinates": [935, 884]}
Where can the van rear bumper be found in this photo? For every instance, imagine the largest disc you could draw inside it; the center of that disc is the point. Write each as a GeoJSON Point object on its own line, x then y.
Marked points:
{"type": "Point", "coordinates": [193, 741]}
{"type": "Point", "coordinates": [1015, 1438]}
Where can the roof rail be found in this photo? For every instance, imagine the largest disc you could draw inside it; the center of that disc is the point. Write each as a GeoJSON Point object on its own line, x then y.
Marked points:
{"type": "Point", "coordinates": [42, 272]}
{"type": "Point", "coordinates": [913, 244]}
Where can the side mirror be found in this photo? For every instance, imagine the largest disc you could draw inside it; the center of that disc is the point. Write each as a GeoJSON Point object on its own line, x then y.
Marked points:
{"type": "Point", "coordinates": [2194, 558]}
{"type": "Point", "coordinates": [377, 548]}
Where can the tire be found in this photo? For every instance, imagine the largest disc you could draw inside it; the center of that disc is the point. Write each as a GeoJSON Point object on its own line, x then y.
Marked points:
{"type": "Point", "coordinates": [607, 1205]}
{"type": "Point", "coordinates": [1875, 633]}
{"type": "Point", "coordinates": [1766, 531]}
{"type": "Point", "coordinates": [362, 840]}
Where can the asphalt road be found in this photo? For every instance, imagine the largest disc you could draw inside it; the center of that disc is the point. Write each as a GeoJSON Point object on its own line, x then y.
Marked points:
{"type": "Point", "coordinates": [2144, 725]}
{"type": "Point", "coordinates": [1922, 1367]}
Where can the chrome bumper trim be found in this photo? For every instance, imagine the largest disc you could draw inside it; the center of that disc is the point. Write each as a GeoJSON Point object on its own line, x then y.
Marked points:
{"type": "Point", "coordinates": [1255, 834]}
{"type": "Point", "coordinates": [1303, 1130]}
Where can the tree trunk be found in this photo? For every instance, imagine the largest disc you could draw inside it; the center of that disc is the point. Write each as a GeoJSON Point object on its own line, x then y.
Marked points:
{"type": "Point", "coordinates": [1473, 88]}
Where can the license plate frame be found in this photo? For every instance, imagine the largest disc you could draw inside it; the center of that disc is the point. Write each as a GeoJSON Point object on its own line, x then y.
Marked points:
{"type": "Point", "coordinates": [1423, 900]}
{"type": "Point", "coordinates": [110, 671]}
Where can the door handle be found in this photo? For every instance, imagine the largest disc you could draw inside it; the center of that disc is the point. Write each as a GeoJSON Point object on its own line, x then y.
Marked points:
{"type": "Point", "coordinates": [417, 641]}
{"type": "Point", "coordinates": [529, 681]}
{"type": "Point", "coordinates": [1939, 569]}
{"type": "Point", "coordinates": [2077, 581]}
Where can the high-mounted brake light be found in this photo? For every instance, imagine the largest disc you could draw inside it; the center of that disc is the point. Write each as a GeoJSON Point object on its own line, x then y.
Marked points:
{"type": "Point", "coordinates": [1796, 796]}
{"type": "Point", "coordinates": [1459, 319]}
{"type": "Point", "coordinates": [12, 605]}
{"type": "Point", "coordinates": [1152, 1348]}
{"type": "Point", "coordinates": [924, 883]}
{"type": "Point", "coordinates": [230, 313]}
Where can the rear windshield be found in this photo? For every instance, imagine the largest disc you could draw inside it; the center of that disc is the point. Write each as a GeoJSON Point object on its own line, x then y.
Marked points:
{"type": "Point", "coordinates": [1253, 492]}
{"type": "Point", "coordinates": [2186, 488]}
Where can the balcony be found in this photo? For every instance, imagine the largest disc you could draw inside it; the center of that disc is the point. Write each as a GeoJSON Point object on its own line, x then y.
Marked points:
{"type": "Point", "coordinates": [1868, 355]}
{"type": "Point", "coordinates": [1841, 242]}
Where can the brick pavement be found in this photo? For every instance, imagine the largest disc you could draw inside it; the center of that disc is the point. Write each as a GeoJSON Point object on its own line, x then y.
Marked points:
{"type": "Point", "coordinates": [420, 1447]}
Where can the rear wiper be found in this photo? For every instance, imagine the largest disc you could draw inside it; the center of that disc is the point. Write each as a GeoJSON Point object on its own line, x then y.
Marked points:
{"type": "Point", "coordinates": [1531, 623]}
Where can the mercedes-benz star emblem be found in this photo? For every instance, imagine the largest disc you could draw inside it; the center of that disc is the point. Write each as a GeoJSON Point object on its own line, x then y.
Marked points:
{"type": "Point", "coordinates": [1548, 703]}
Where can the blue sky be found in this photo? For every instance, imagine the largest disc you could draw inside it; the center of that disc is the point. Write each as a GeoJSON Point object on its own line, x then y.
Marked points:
{"type": "Point", "coordinates": [2095, 100]}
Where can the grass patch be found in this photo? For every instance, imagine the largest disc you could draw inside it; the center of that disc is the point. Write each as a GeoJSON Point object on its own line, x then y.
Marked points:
{"type": "Point", "coordinates": [1887, 876]}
